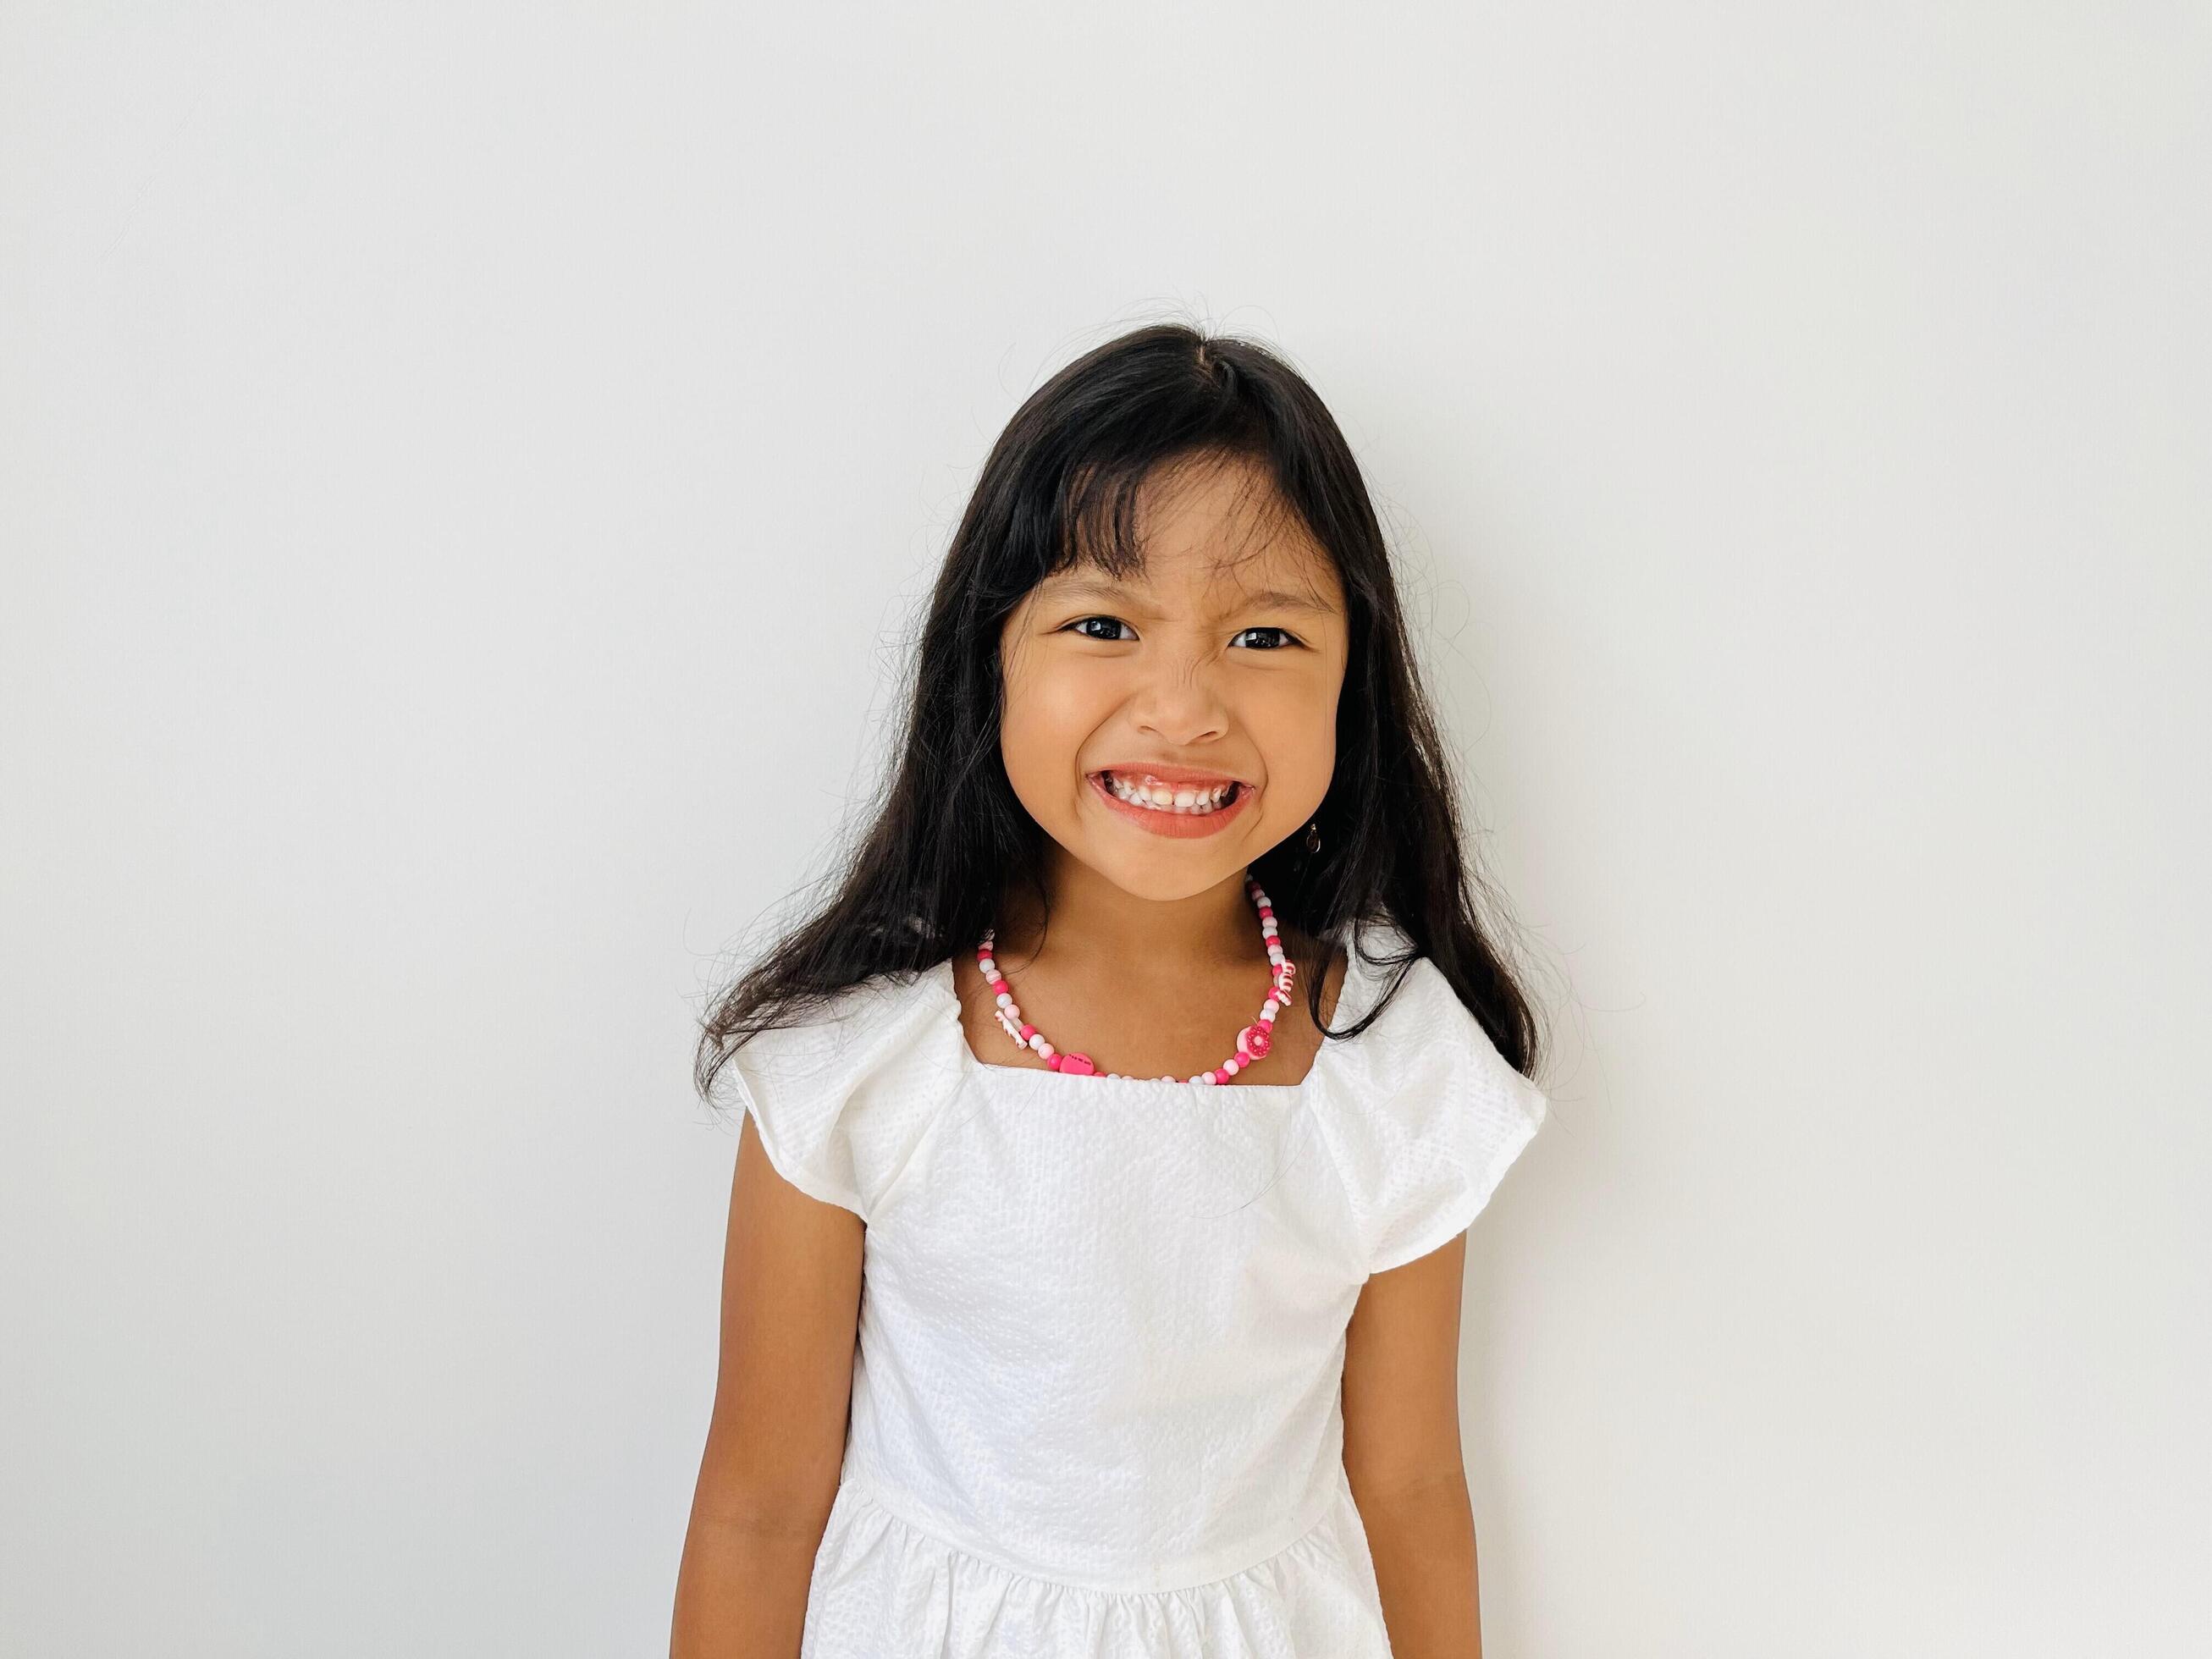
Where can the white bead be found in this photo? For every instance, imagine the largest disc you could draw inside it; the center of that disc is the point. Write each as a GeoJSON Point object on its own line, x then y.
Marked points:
{"type": "Point", "coordinates": [1005, 998]}
{"type": "Point", "coordinates": [1205, 1076]}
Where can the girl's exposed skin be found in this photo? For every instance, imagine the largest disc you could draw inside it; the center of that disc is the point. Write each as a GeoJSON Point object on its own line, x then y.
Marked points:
{"type": "Point", "coordinates": [1227, 660]}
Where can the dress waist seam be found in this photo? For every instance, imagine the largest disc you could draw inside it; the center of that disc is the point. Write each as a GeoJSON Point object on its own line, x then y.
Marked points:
{"type": "Point", "coordinates": [1202, 1569]}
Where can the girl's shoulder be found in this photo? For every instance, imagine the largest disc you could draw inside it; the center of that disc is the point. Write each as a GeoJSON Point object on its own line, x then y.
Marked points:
{"type": "Point", "coordinates": [842, 1096]}
{"type": "Point", "coordinates": [1424, 1114]}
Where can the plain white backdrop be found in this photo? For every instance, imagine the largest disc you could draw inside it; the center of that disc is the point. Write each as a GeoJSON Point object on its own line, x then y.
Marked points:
{"type": "Point", "coordinates": [466, 476]}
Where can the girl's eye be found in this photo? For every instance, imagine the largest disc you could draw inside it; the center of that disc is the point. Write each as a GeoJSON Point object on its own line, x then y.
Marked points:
{"type": "Point", "coordinates": [1082, 625]}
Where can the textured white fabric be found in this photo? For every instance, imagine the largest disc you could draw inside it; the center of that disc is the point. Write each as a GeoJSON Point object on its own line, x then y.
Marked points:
{"type": "Point", "coordinates": [1096, 1404]}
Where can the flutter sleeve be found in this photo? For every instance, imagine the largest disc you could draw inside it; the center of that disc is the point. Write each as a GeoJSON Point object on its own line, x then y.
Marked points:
{"type": "Point", "coordinates": [1447, 1117]}
{"type": "Point", "coordinates": [842, 1101]}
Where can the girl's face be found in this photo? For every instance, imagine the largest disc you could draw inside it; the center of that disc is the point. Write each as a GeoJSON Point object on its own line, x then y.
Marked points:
{"type": "Point", "coordinates": [1220, 666]}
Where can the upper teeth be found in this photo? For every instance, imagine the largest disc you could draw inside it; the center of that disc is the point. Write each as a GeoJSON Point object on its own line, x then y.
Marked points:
{"type": "Point", "coordinates": [1150, 791]}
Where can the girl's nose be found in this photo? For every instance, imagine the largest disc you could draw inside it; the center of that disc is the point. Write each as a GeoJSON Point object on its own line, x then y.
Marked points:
{"type": "Point", "coordinates": [1181, 704]}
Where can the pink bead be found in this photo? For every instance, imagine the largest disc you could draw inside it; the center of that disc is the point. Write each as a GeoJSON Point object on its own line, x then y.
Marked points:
{"type": "Point", "coordinates": [1028, 1030]}
{"type": "Point", "coordinates": [1078, 1064]}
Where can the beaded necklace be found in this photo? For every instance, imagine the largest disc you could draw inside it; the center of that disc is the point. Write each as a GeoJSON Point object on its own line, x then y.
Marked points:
{"type": "Point", "coordinates": [1252, 1042]}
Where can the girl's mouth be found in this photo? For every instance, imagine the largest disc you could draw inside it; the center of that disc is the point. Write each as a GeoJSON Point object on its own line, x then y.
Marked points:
{"type": "Point", "coordinates": [1176, 809]}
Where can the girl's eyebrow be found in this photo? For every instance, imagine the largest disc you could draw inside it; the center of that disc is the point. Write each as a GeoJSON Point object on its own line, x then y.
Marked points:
{"type": "Point", "coordinates": [1063, 588]}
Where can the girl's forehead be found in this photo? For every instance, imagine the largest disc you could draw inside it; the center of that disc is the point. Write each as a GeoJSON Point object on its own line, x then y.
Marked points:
{"type": "Point", "coordinates": [1196, 578]}
{"type": "Point", "coordinates": [1212, 499]}
{"type": "Point", "coordinates": [1216, 534]}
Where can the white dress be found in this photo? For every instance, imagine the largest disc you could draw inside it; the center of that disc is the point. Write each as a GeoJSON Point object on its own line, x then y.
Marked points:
{"type": "Point", "coordinates": [1096, 1404]}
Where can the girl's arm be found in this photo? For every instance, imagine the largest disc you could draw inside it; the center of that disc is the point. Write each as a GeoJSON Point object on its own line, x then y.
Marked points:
{"type": "Point", "coordinates": [1401, 1454]}
{"type": "Point", "coordinates": [775, 1443]}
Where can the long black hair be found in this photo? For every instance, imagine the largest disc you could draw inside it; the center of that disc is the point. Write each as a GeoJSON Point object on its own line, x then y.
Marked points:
{"type": "Point", "coordinates": [948, 835]}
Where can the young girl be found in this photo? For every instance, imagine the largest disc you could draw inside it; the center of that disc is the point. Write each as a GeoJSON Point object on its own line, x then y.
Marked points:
{"type": "Point", "coordinates": [1093, 1271]}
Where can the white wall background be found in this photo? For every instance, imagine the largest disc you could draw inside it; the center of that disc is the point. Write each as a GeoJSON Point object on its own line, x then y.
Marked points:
{"type": "Point", "coordinates": [465, 471]}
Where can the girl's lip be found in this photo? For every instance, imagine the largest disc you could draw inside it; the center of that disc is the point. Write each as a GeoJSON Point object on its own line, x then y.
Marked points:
{"type": "Point", "coordinates": [1176, 826]}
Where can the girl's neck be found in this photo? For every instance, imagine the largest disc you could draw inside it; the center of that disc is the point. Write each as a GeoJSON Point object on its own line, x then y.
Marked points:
{"type": "Point", "coordinates": [1146, 988]}
{"type": "Point", "coordinates": [1099, 923]}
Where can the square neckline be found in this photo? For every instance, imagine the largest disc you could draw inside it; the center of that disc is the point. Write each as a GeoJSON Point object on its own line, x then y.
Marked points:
{"type": "Point", "coordinates": [1355, 982]}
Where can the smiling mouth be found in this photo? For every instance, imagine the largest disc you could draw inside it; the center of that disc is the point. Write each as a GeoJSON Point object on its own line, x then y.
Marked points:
{"type": "Point", "coordinates": [1154, 794]}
